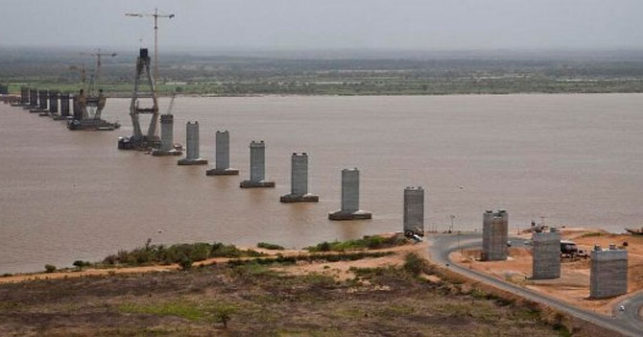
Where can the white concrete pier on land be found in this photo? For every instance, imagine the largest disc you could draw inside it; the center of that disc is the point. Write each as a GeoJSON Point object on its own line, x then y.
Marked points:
{"type": "Point", "coordinates": [350, 198]}
{"type": "Point", "coordinates": [414, 210]}
{"type": "Point", "coordinates": [257, 167]}
{"type": "Point", "coordinates": [222, 155]}
{"type": "Point", "coordinates": [545, 255]}
{"type": "Point", "coordinates": [192, 141]}
{"type": "Point", "coordinates": [494, 235]}
{"type": "Point", "coordinates": [167, 147]}
{"type": "Point", "coordinates": [299, 181]}
{"type": "Point", "coordinates": [608, 273]}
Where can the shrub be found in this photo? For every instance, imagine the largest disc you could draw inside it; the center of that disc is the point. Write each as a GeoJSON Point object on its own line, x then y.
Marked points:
{"type": "Point", "coordinates": [324, 247]}
{"type": "Point", "coordinates": [223, 313]}
{"type": "Point", "coordinates": [80, 264]}
{"type": "Point", "coordinates": [413, 264]}
{"type": "Point", "coordinates": [367, 242]}
{"type": "Point", "coordinates": [185, 263]}
{"type": "Point", "coordinates": [50, 268]}
{"type": "Point", "coordinates": [270, 246]}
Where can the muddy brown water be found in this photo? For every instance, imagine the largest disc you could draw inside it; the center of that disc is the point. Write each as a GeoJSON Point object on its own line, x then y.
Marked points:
{"type": "Point", "coordinates": [573, 159]}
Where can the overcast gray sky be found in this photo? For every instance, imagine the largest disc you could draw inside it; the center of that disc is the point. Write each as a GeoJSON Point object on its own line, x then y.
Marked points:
{"type": "Point", "coordinates": [333, 24]}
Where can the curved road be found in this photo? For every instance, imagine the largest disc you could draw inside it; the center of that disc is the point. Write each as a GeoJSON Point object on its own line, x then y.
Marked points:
{"type": "Point", "coordinates": [627, 322]}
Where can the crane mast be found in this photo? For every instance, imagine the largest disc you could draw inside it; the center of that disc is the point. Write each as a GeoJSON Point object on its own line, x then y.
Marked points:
{"type": "Point", "coordinates": [143, 74]}
{"type": "Point", "coordinates": [156, 17]}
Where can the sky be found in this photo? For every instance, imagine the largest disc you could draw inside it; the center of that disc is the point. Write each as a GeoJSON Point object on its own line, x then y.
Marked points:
{"type": "Point", "coordinates": [327, 24]}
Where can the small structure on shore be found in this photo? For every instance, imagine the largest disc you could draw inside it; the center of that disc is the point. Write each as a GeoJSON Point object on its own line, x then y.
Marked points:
{"type": "Point", "coordinates": [350, 198]}
{"type": "Point", "coordinates": [414, 211]}
{"type": "Point", "coordinates": [494, 235]}
{"type": "Point", "coordinates": [192, 156]}
{"type": "Point", "coordinates": [608, 273]}
{"type": "Point", "coordinates": [257, 167]}
{"type": "Point", "coordinates": [299, 180]}
{"type": "Point", "coordinates": [222, 156]}
{"type": "Point", "coordinates": [546, 255]}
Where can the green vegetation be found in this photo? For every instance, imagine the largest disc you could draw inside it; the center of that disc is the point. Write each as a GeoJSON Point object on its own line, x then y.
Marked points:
{"type": "Point", "coordinates": [50, 268]}
{"type": "Point", "coordinates": [414, 264]}
{"type": "Point", "coordinates": [178, 253]}
{"type": "Point", "coordinates": [280, 259]}
{"type": "Point", "coordinates": [270, 246]}
{"type": "Point", "coordinates": [250, 299]}
{"type": "Point", "coordinates": [80, 264]}
{"type": "Point", "coordinates": [367, 242]}
{"type": "Point", "coordinates": [185, 263]}
{"type": "Point", "coordinates": [373, 74]}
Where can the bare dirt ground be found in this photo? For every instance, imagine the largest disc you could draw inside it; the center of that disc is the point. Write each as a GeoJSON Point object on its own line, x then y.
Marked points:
{"type": "Point", "coordinates": [573, 285]}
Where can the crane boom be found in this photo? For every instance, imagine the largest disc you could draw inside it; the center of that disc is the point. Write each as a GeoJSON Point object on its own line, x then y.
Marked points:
{"type": "Point", "coordinates": [98, 56]}
{"type": "Point", "coordinates": [156, 16]}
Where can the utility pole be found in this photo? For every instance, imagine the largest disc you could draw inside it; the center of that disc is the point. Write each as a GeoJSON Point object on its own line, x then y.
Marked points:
{"type": "Point", "coordinates": [156, 17]}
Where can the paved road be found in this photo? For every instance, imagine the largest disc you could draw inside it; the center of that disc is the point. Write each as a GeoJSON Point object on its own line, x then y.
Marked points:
{"type": "Point", "coordinates": [627, 323]}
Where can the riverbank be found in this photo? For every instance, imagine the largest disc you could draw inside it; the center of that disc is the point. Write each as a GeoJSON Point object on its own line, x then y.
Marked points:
{"type": "Point", "coordinates": [397, 293]}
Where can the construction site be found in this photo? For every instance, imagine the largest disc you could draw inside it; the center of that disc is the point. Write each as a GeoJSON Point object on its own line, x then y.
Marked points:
{"type": "Point", "coordinates": [603, 269]}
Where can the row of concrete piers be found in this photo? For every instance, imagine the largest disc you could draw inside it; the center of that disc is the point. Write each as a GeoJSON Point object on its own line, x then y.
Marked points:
{"type": "Point", "coordinates": [57, 105]}
{"type": "Point", "coordinates": [350, 210]}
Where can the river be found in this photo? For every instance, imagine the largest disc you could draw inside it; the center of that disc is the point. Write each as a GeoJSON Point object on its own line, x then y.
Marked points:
{"type": "Point", "coordinates": [573, 159]}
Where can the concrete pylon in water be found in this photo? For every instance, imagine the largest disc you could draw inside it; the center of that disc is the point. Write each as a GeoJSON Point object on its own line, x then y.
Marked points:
{"type": "Point", "coordinates": [299, 181]}
{"type": "Point", "coordinates": [222, 155]}
{"type": "Point", "coordinates": [414, 210]}
{"type": "Point", "coordinates": [33, 100]}
{"type": "Point", "coordinates": [43, 96]}
{"type": "Point", "coordinates": [167, 138]}
{"type": "Point", "coordinates": [53, 102]}
{"type": "Point", "coordinates": [350, 198]}
{"type": "Point", "coordinates": [64, 105]}
{"type": "Point", "coordinates": [192, 142]}
{"type": "Point", "coordinates": [257, 167]}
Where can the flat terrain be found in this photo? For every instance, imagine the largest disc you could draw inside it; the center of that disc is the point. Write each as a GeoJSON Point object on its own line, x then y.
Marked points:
{"type": "Point", "coordinates": [362, 73]}
{"type": "Point", "coordinates": [573, 286]}
{"type": "Point", "coordinates": [376, 297]}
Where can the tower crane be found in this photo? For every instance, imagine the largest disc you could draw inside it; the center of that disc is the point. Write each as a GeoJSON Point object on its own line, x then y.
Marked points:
{"type": "Point", "coordinates": [97, 55]}
{"type": "Point", "coordinates": [83, 74]}
{"type": "Point", "coordinates": [156, 16]}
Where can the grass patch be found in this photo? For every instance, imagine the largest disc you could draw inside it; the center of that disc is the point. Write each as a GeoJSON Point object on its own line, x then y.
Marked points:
{"type": "Point", "coordinates": [367, 242]}
{"type": "Point", "coordinates": [271, 246]}
{"type": "Point", "coordinates": [189, 310]}
{"type": "Point", "coordinates": [184, 310]}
